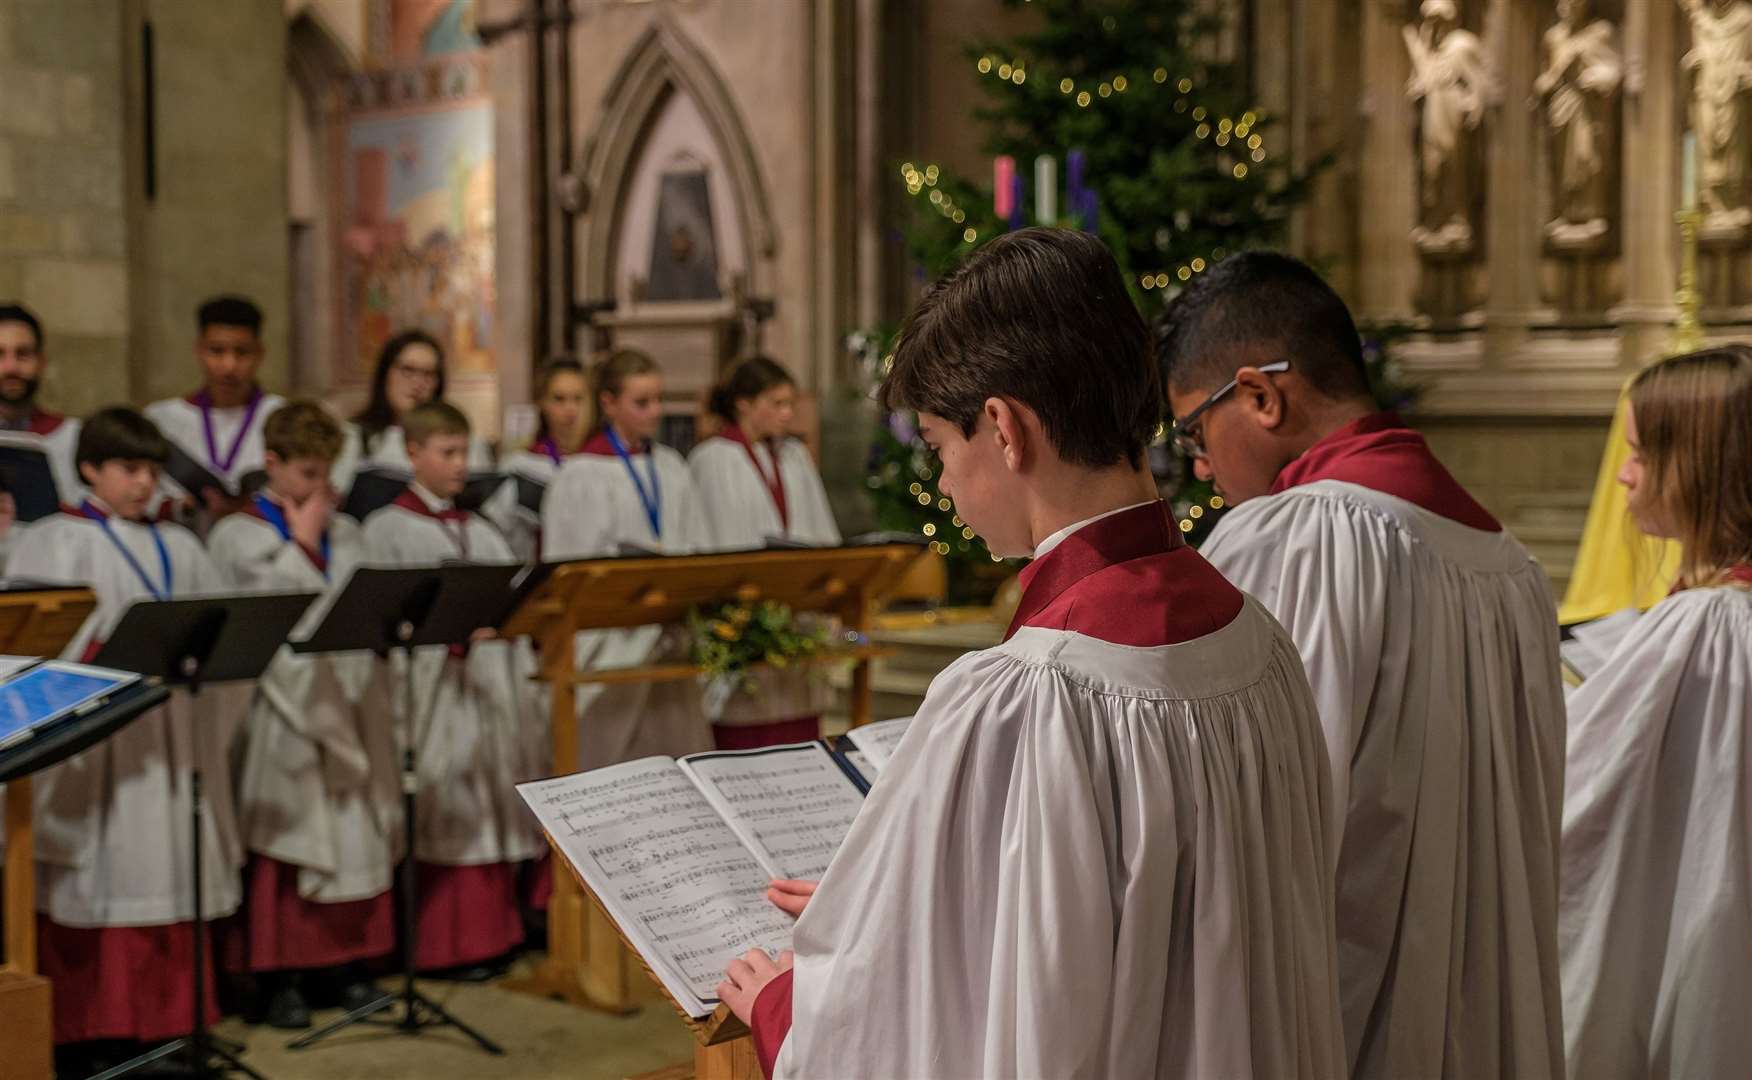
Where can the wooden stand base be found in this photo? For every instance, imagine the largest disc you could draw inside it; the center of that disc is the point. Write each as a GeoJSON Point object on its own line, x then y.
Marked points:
{"type": "Point", "coordinates": [587, 963]}
{"type": "Point", "coordinates": [733, 1060]}
{"type": "Point", "coordinates": [26, 1043]}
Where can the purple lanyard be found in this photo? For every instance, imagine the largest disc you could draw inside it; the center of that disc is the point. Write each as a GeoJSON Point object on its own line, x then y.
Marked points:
{"type": "Point", "coordinates": [205, 401]}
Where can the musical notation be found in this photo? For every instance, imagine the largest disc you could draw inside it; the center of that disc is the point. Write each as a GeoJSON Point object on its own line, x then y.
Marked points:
{"type": "Point", "coordinates": [794, 806]}
{"type": "Point", "coordinates": [877, 742]}
{"type": "Point", "coordinates": [676, 878]}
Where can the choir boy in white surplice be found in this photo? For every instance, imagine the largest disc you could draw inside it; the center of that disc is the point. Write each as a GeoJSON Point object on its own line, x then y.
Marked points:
{"type": "Point", "coordinates": [318, 790]}
{"type": "Point", "coordinates": [1655, 917]}
{"type": "Point", "coordinates": [562, 392]}
{"type": "Point", "coordinates": [472, 710]}
{"type": "Point", "coordinates": [625, 491]}
{"type": "Point", "coordinates": [220, 425]}
{"type": "Point", "coordinates": [410, 372]}
{"type": "Point", "coordinates": [1430, 639]}
{"type": "Point", "coordinates": [114, 890]}
{"type": "Point", "coordinates": [757, 483]}
{"type": "Point", "coordinates": [1097, 851]}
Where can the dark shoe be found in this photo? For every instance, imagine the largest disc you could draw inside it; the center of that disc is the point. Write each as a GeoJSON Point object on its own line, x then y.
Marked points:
{"type": "Point", "coordinates": [357, 995]}
{"type": "Point", "coordinates": [288, 1010]}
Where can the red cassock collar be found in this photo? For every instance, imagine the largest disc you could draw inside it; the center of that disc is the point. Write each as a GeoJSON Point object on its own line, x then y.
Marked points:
{"type": "Point", "coordinates": [43, 422]}
{"type": "Point", "coordinates": [1128, 579]}
{"type": "Point", "coordinates": [599, 445]}
{"type": "Point", "coordinates": [1381, 453]}
{"type": "Point", "coordinates": [410, 501]}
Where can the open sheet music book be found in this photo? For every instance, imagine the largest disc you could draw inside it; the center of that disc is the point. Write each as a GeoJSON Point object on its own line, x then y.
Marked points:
{"type": "Point", "coordinates": [680, 852]}
{"type": "Point", "coordinates": [867, 749]}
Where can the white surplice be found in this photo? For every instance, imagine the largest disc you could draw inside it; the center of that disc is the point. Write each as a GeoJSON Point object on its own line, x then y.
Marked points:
{"type": "Point", "coordinates": [1432, 650]}
{"type": "Point", "coordinates": [319, 785]}
{"type": "Point", "coordinates": [182, 422]}
{"type": "Point", "coordinates": [1088, 859]}
{"type": "Point", "coordinates": [476, 724]}
{"type": "Point", "coordinates": [739, 508]}
{"type": "Point", "coordinates": [389, 451]}
{"type": "Point", "coordinates": [1655, 916]}
{"type": "Point", "coordinates": [522, 529]}
{"type": "Point", "coordinates": [741, 515]}
{"type": "Point", "coordinates": [112, 822]}
{"type": "Point", "coordinates": [590, 510]}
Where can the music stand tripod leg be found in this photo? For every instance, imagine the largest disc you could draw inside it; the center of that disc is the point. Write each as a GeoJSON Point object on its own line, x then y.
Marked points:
{"type": "Point", "coordinates": [410, 998]}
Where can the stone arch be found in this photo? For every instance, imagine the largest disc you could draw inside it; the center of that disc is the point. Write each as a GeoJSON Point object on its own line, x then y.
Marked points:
{"type": "Point", "coordinates": [662, 63]}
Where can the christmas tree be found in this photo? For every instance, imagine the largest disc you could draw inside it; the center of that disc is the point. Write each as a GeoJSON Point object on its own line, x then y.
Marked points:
{"type": "Point", "coordinates": [1123, 117]}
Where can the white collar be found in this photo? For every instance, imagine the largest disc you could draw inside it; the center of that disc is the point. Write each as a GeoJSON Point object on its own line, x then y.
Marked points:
{"type": "Point", "coordinates": [1058, 538]}
{"type": "Point", "coordinates": [433, 502]}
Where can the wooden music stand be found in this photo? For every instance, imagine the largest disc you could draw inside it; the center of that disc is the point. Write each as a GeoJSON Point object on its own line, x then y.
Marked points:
{"type": "Point", "coordinates": [587, 963]}
{"type": "Point", "coordinates": [31, 624]}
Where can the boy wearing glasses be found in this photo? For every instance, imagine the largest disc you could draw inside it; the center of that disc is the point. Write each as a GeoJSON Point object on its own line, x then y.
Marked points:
{"type": "Point", "coordinates": [1429, 638]}
{"type": "Point", "coordinates": [1097, 851]}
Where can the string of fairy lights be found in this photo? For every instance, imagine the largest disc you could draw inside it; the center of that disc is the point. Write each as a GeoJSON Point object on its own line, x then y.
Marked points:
{"type": "Point", "coordinates": [1223, 131]}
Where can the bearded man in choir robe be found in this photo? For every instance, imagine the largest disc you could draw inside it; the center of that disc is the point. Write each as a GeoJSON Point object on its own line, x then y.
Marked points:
{"type": "Point", "coordinates": [1430, 638]}
{"type": "Point", "coordinates": [1097, 851]}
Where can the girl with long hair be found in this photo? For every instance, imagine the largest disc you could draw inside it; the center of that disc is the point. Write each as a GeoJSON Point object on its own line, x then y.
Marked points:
{"type": "Point", "coordinates": [1655, 900]}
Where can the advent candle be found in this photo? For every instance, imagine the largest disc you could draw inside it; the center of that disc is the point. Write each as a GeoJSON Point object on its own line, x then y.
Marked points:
{"type": "Point", "coordinates": [1074, 164]}
{"type": "Point", "coordinates": [1688, 182]}
{"type": "Point", "coordinates": [1003, 186]}
{"type": "Point", "coordinates": [1017, 220]}
{"type": "Point", "coordinates": [1046, 190]}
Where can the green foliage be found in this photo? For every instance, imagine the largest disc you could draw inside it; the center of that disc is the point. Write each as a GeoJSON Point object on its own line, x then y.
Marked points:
{"type": "Point", "coordinates": [730, 638]}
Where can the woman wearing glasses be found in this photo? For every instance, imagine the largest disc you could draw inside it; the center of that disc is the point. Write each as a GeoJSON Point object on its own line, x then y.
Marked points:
{"type": "Point", "coordinates": [1429, 637]}
{"type": "Point", "coordinates": [410, 372]}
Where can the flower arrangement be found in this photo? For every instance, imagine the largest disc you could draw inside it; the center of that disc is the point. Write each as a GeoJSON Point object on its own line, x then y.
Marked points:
{"type": "Point", "coordinates": [730, 638]}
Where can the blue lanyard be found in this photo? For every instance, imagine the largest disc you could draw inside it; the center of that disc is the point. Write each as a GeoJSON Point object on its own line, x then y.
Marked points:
{"type": "Point", "coordinates": [653, 499]}
{"type": "Point", "coordinates": [102, 520]}
{"type": "Point", "coordinates": [273, 515]}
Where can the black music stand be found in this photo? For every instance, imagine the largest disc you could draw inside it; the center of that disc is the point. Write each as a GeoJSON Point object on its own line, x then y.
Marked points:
{"type": "Point", "coordinates": [192, 643]}
{"type": "Point", "coordinates": [381, 611]}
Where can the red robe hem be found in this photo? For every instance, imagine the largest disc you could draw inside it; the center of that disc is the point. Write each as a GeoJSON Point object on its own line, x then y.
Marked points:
{"type": "Point", "coordinates": [122, 982]}
{"type": "Point", "coordinates": [468, 914]}
{"type": "Point", "coordinates": [279, 930]}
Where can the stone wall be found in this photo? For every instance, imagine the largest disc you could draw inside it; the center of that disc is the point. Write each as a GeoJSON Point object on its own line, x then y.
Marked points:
{"type": "Point", "coordinates": [63, 216]}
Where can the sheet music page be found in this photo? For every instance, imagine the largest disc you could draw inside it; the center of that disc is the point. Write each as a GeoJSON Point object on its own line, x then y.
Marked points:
{"type": "Point", "coordinates": [677, 880]}
{"type": "Point", "coordinates": [878, 741]}
{"type": "Point", "coordinates": [792, 805]}
{"type": "Point", "coordinates": [861, 762]}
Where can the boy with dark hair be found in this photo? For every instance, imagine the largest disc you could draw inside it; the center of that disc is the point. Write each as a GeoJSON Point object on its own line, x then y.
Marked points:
{"type": "Point", "coordinates": [23, 356]}
{"type": "Point", "coordinates": [219, 426]}
{"type": "Point", "coordinates": [112, 823]}
{"type": "Point", "coordinates": [1430, 638]}
{"type": "Point", "coordinates": [472, 708]}
{"type": "Point", "coordinates": [318, 793]}
{"type": "Point", "coordinates": [1097, 850]}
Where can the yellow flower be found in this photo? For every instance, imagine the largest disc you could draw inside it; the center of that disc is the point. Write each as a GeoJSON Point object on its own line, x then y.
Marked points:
{"type": "Point", "coordinates": [725, 631]}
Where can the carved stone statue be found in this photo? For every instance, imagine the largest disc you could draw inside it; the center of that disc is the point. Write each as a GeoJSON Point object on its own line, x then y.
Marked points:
{"type": "Point", "coordinates": [1450, 80]}
{"type": "Point", "coordinates": [1579, 89]}
{"type": "Point", "coordinates": [1720, 69]}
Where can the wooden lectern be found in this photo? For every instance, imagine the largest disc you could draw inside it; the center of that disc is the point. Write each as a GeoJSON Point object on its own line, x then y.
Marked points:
{"type": "Point", "coordinates": [31, 624]}
{"type": "Point", "coordinates": [587, 962]}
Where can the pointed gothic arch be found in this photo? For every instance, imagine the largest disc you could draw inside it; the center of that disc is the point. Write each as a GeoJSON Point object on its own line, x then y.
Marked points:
{"type": "Point", "coordinates": [662, 63]}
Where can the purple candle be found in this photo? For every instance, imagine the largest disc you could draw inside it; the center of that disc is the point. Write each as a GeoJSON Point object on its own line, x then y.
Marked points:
{"type": "Point", "coordinates": [1017, 194]}
{"type": "Point", "coordinates": [1075, 161]}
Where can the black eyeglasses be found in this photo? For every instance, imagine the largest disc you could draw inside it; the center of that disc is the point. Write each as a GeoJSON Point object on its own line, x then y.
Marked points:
{"type": "Point", "coordinates": [1189, 443]}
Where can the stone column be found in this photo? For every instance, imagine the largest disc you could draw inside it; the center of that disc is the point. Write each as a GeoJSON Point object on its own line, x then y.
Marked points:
{"type": "Point", "coordinates": [1386, 184]}
{"type": "Point", "coordinates": [1512, 33]}
{"type": "Point", "coordinates": [1651, 149]}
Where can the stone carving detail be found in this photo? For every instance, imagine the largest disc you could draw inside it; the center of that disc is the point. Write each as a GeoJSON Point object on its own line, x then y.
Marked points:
{"type": "Point", "coordinates": [1449, 84]}
{"type": "Point", "coordinates": [1719, 72]}
{"type": "Point", "coordinates": [1578, 88]}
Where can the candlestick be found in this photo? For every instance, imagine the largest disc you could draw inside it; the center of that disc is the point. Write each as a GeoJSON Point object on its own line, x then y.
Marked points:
{"type": "Point", "coordinates": [1003, 186]}
{"type": "Point", "coordinates": [1688, 174]}
{"type": "Point", "coordinates": [1046, 190]}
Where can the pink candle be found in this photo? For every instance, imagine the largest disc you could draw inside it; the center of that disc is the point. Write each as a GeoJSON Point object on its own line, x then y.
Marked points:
{"type": "Point", "coordinates": [1003, 186]}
